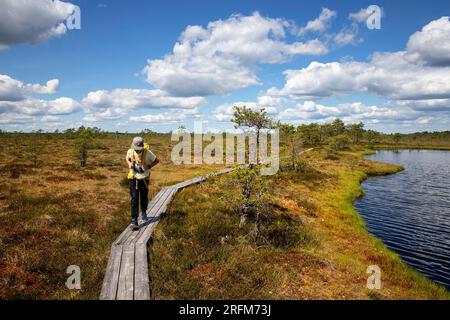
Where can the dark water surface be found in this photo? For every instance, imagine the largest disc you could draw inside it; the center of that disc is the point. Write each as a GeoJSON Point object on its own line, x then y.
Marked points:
{"type": "Point", "coordinates": [410, 210]}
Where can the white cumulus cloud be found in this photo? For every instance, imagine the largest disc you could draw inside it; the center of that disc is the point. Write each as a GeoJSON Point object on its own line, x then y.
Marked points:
{"type": "Point", "coordinates": [18, 104]}
{"type": "Point", "coordinates": [347, 35]}
{"type": "Point", "coordinates": [223, 56]}
{"type": "Point", "coordinates": [431, 45]}
{"type": "Point", "coordinates": [394, 75]}
{"type": "Point", "coordinates": [117, 103]}
{"type": "Point", "coordinates": [224, 112]}
{"type": "Point", "coordinates": [50, 87]}
{"type": "Point", "coordinates": [168, 117]}
{"type": "Point", "coordinates": [32, 21]}
{"type": "Point", "coordinates": [15, 90]}
{"type": "Point", "coordinates": [349, 113]}
{"type": "Point", "coordinates": [33, 106]}
{"type": "Point", "coordinates": [320, 24]}
{"type": "Point", "coordinates": [362, 15]}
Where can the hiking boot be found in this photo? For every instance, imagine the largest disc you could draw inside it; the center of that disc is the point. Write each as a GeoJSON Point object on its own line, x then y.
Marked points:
{"type": "Point", "coordinates": [144, 217]}
{"type": "Point", "coordinates": [134, 224]}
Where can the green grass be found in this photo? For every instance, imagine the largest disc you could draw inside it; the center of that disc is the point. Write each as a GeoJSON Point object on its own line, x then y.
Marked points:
{"type": "Point", "coordinates": [199, 252]}
{"type": "Point", "coordinates": [390, 263]}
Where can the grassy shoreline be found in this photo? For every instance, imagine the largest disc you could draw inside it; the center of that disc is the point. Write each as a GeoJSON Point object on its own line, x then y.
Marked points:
{"type": "Point", "coordinates": [419, 286]}
{"type": "Point", "coordinates": [330, 265]}
{"type": "Point", "coordinates": [441, 291]}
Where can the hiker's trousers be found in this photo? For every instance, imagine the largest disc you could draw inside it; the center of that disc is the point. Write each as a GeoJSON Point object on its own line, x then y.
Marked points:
{"type": "Point", "coordinates": [138, 190]}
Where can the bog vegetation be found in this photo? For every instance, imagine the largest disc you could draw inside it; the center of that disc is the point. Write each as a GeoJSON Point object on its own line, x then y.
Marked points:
{"type": "Point", "coordinates": [64, 199]}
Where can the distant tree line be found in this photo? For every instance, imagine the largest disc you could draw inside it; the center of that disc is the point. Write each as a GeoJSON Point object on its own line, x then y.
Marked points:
{"type": "Point", "coordinates": [313, 134]}
{"type": "Point", "coordinates": [318, 134]}
{"type": "Point", "coordinates": [332, 136]}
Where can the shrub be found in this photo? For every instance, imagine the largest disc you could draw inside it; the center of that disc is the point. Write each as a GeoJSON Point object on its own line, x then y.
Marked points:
{"type": "Point", "coordinates": [330, 152]}
{"type": "Point", "coordinates": [212, 232]}
{"type": "Point", "coordinates": [83, 138]}
{"type": "Point", "coordinates": [335, 144]}
{"type": "Point", "coordinates": [249, 197]}
{"type": "Point", "coordinates": [282, 233]}
{"type": "Point", "coordinates": [340, 142]}
{"type": "Point", "coordinates": [301, 165]}
{"type": "Point", "coordinates": [311, 208]}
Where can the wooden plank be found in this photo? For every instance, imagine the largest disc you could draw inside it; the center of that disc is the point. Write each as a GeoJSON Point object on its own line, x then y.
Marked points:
{"type": "Point", "coordinates": [134, 234]}
{"type": "Point", "coordinates": [110, 282]}
{"type": "Point", "coordinates": [189, 182]}
{"type": "Point", "coordinates": [141, 280]}
{"type": "Point", "coordinates": [128, 231]}
{"type": "Point", "coordinates": [125, 289]}
{"type": "Point", "coordinates": [126, 276]}
{"type": "Point", "coordinates": [170, 196]}
{"type": "Point", "coordinates": [125, 233]}
{"type": "Point", "coordinates": [155, 200]}
{"type": "Point", "coordinates": [132, 237]}
{"type": "Point", "coordinates": [151, 216]}
{"type": "Point", "coordinates": [184, 184]}
{"type": "Point", "coordinates": [164, 194]}
{"type": "Point", "coordinates": [143, 238]}
{"type": "Point", "coordinates": [223, 171]}
{"type": "Point", "coordinates": [166, 202]}
{"type": "Point", "coordinates": [126, 237]}
{"type": "Point", "coordinates": [179, 185]}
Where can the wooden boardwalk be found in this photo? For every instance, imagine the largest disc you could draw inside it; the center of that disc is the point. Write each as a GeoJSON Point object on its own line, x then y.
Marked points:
{"type": "Point", "coordinates": [126, 276]}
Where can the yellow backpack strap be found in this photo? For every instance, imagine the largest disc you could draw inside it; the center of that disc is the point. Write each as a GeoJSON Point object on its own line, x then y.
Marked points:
{"type": "Point", "coordinates": [130, 175]}
{"type": "Point", "coordinates": [144, 155]}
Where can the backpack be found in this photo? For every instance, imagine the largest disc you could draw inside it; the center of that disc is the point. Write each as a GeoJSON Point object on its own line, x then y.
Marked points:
{"type": "Point", "coordinates": [131, 175]}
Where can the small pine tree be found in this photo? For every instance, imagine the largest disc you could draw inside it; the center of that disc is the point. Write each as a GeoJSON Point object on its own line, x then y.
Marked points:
{"type": "Point", "coordinates": [397, 137]}
{"type": "Point", "coordinates": [83, 138]}
{"type": "Point", "coordinates": [244, 117]}
{"type": "Point", "coordinates": [290, 137]}
{"type": "Point", "coordinates": [250, 197]}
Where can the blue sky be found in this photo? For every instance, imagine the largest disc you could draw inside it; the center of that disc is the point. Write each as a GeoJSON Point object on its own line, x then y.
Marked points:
{"type": "Point", "coordinates": [120, 70]}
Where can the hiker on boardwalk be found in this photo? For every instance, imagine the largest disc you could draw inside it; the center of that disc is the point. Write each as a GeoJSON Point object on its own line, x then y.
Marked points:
{"type": "Point", "coordinates": [140, 160]}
